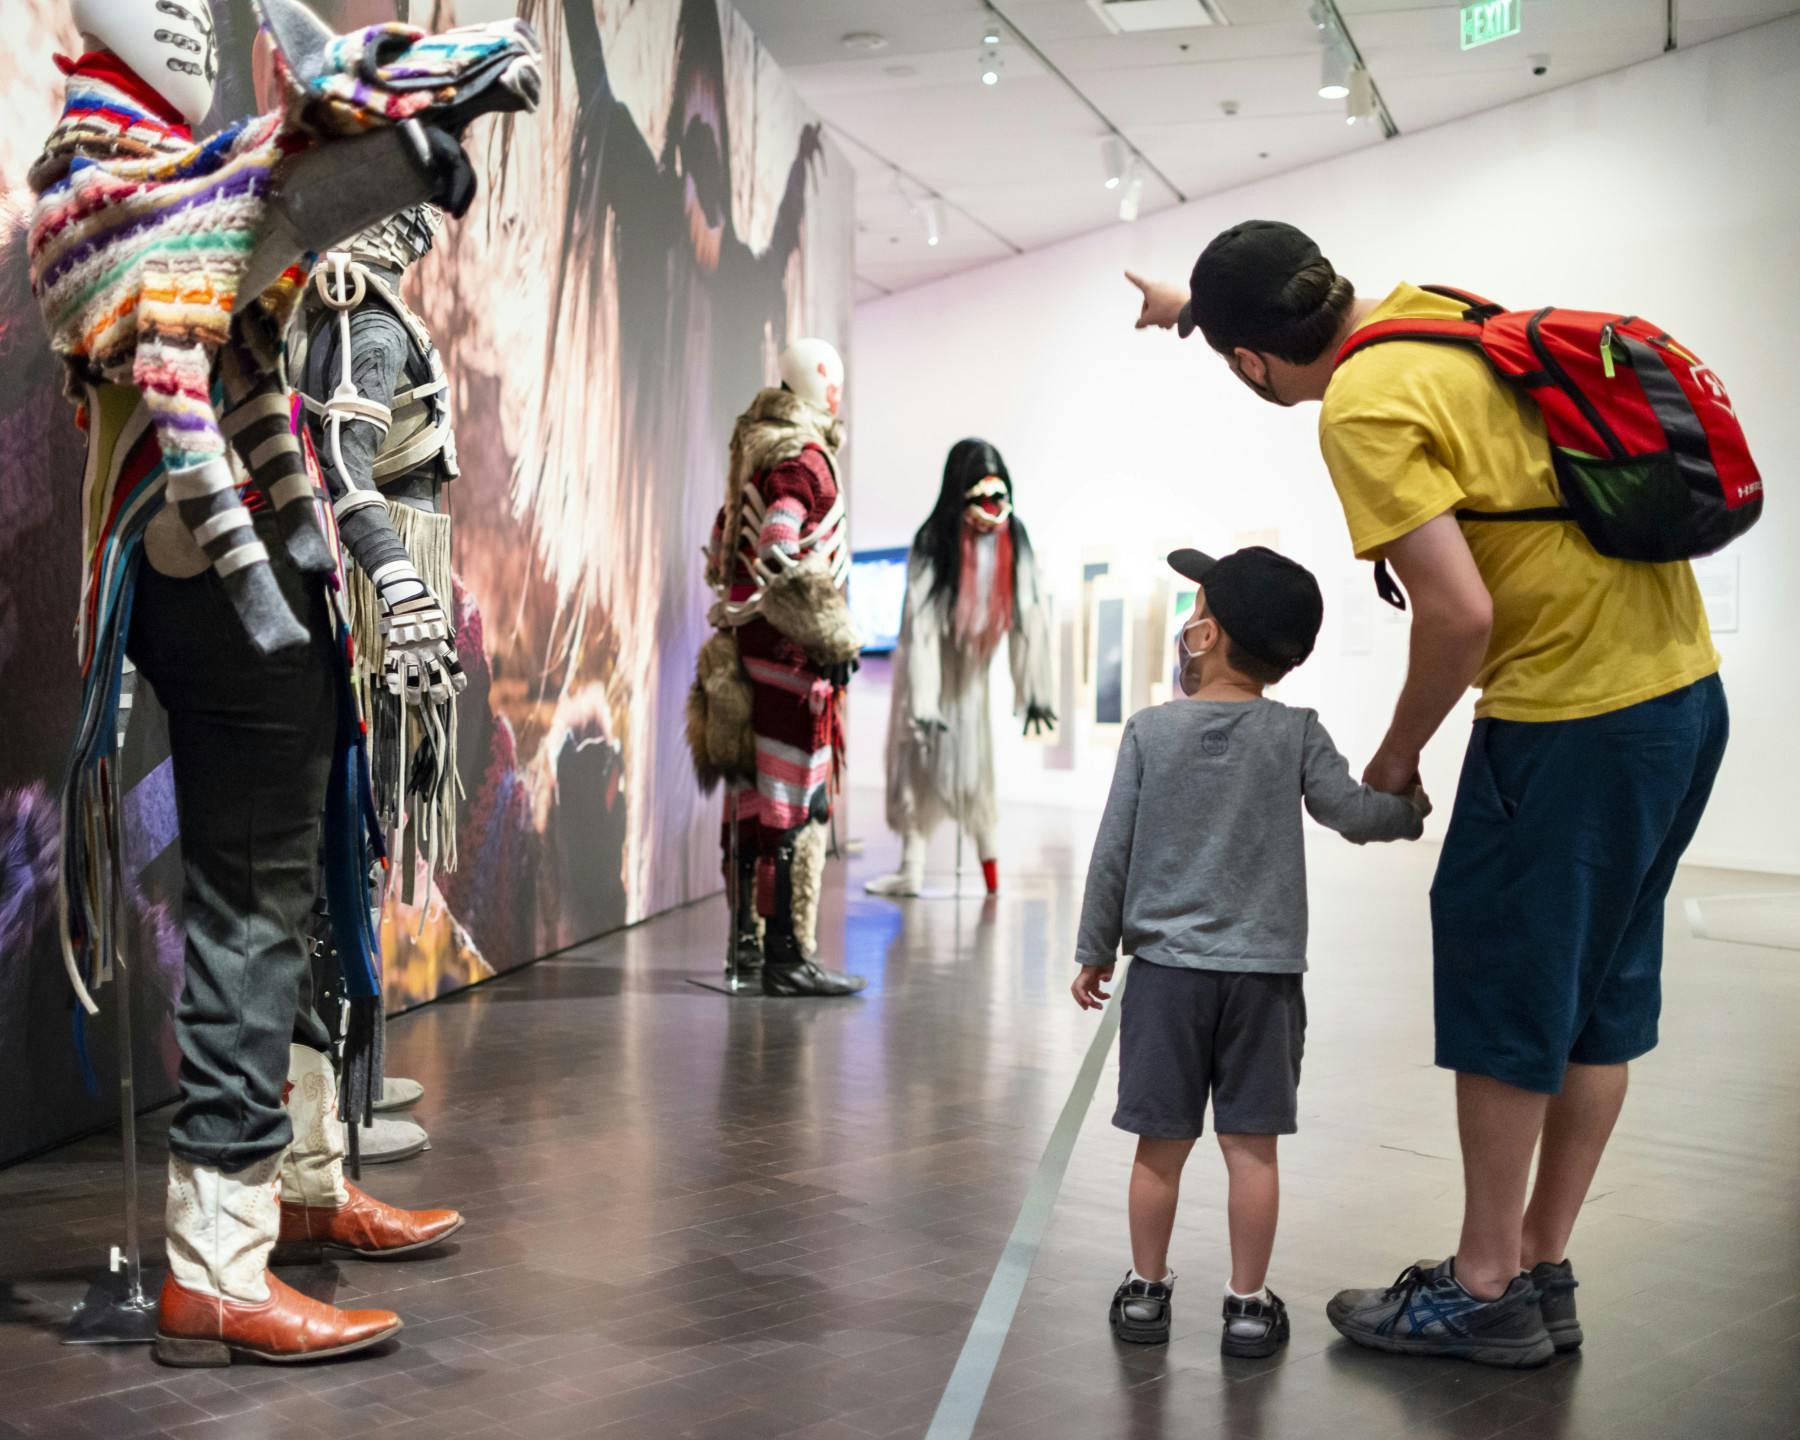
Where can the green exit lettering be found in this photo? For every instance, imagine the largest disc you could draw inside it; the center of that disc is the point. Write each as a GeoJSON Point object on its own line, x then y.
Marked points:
{"type": "Point", "coordinates": [1489, 20]}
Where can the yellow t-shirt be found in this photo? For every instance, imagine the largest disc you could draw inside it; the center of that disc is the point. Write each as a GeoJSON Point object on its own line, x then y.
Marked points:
{"type": "Point", "coordinates": [1410, 431]}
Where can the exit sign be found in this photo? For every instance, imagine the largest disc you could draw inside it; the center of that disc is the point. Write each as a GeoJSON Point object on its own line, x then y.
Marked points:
{"type": "Point", "coordinates": [1489, 20]}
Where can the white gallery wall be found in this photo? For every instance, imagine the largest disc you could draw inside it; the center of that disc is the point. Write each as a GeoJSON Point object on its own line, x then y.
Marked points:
{"type": "Point", "coordinates": [1669, 189]}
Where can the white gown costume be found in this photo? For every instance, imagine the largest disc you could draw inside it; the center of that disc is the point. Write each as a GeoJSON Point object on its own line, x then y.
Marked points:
{"type": "Point", "coordinates": [940, 753]}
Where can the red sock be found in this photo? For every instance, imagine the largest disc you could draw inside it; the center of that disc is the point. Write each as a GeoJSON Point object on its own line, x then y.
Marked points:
{"type": "Point", "coordinates": [990, 872]}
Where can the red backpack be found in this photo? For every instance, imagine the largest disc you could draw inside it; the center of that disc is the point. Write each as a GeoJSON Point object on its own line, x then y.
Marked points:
{"type": "Point", "coordinates": [1649, 455]}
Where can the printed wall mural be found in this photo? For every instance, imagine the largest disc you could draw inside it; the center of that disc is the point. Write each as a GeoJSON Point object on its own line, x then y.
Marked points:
{"type": "Point", "coordinates": [641, 250]}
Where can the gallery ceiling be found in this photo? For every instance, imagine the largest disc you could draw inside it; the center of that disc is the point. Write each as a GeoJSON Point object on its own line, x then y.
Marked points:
{"type": "Point", "coordinates": [998, 169]}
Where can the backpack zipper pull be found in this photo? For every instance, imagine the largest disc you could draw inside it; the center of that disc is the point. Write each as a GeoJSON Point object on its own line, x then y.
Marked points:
{"type": "Point", "coordinates": [1606, 351]}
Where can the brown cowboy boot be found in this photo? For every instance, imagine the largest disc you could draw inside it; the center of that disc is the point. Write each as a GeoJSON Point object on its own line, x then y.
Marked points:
{"type": "Point", "coordinates": [320, 1209]}
{"type": "Point", "coordinates": [220, 1301]}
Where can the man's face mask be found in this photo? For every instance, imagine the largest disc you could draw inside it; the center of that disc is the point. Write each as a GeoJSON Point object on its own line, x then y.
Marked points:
{"type": "Point", "coordinates": [1262, 389]}
{"type": "Point", "coordinates": [1187, 673]}
{"type": "Point", "coordinates": [986, 505]}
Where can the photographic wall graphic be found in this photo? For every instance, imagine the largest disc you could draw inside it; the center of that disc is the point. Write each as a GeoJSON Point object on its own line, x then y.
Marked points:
{"type": "Point", "coordinates": [639, 252]}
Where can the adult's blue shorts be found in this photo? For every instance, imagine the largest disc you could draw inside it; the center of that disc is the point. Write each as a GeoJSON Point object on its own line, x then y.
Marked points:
{"type": "Point", "coordinates": [1547, 909]}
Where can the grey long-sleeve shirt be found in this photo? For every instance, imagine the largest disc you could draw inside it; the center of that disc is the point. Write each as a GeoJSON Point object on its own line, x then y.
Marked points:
{"type": "Point", "coordinates": [1200, 859]}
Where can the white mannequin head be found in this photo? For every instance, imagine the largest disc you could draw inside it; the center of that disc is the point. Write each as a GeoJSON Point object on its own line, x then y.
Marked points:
{"type": "Point", "coordinates": [168, 44]}
{"type": "Point", "coordinates": [814, 371]}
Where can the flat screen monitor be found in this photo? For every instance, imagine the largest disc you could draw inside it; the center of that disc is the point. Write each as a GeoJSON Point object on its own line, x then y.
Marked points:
{"type": "Point", "coordinates": [878, 596]}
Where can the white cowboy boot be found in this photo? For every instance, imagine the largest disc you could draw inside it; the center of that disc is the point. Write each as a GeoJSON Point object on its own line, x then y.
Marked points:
{"type": "Point", "coordinates": [219, 1299]}
{"type": "Point", "coordinates": [320, 1209]}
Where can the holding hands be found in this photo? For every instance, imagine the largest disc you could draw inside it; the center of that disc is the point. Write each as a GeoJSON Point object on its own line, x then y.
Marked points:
{"type": "Point", "coordinates": [1398, 774]}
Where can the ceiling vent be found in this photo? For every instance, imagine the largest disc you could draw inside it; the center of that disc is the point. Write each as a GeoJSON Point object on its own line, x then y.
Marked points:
{"type": "Point", "coordinates": [1137, 16]}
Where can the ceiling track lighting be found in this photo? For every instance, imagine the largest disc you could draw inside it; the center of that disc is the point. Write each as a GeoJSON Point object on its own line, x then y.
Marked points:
{"type": "Point", "coordinates": [1335, 57]}
{"type": "Point", "coordinates": [1132, 191]}
{"type": "Point", "coordinates": [1113, 160]}
{"type": "Point", "coordinates": [1334, 70]}
{"type": "Point", "coordinates": [933, 213]}
{"type": "Point", "coordinates": [991, 63]}
{"type": "Point", "coordinates": [1359, 103]}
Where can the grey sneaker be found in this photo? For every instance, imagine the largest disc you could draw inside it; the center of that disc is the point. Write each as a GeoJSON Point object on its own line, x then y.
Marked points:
{"type": "Point", "coordinates": [1426, 1311]}
{"type": "Point", "coordinates": [1556, 1299]}
{"type": "Point", "coordinates": [1141, 1311]}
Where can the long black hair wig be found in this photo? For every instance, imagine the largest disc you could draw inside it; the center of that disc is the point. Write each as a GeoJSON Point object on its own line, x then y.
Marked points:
{"type": "Point", "coordinates": [940, 537]}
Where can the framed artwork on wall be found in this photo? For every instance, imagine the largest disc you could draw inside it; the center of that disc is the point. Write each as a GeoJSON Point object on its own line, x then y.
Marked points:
{"type": "Point", "coordinates": [1109, 690]}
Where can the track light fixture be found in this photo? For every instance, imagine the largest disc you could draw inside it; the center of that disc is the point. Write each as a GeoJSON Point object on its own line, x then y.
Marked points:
{"type": "Point", "coordinates": [1336, 59]}
{"type": "Point", "coordinates": [1359, 104]}
{"type": "Point", "coordinates": [1113, 159]}
{"type": "Point", "coordinates": [1334, 70]}
{"type": "Point", "coordinates": [1133, 191]}
{"type": "Point", "coordinates": [990, 55]}
{"type": "Point", "coordinates": [933, 214]}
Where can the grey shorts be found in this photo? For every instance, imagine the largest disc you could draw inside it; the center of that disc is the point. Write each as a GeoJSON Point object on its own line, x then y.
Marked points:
{"type": "Point", "coordinates": [1186, 1034]}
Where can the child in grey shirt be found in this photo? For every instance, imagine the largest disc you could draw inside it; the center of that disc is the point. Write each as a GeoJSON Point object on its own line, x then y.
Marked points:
{"type": "Point", "coordinates": [1199, 869]}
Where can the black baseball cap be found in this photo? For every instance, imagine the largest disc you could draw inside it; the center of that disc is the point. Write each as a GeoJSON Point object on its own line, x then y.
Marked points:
{"type": "Point", "coordinates": [1237, 284]}
{"type": "Point", "coordinates": [1268, 604]}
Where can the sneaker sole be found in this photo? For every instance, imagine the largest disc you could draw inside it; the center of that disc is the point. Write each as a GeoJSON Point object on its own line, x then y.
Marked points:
{"type": "Point", "coordinates": [1505, 1354]}
{"type": "Point", "coordinates": [1565, 1335]}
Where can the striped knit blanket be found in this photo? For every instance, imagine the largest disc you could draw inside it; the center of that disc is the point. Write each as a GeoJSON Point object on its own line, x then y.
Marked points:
{"type": "Point", "coordinates": [138, 243]}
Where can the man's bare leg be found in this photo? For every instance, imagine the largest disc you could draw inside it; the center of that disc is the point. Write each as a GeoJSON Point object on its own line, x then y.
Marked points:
{"type": "Point", "coordinates": [1499, 1125]}
{"type": "Point", "coordinates": [1577, 1124]}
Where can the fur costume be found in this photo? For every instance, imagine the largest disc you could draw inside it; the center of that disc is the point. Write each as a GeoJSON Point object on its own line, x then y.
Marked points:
{"type": "Point", "coordinates": [777, 559]}
{"type": "Point", "coordinates": [763, 713]}
{"type": "Point", "coordinates": [718, 716]}
{"type": "Point", "coordinates": [809, 885]}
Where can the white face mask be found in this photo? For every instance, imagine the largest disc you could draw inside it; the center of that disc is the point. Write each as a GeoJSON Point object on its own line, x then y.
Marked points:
{"type": "Point", "coordinates": [1185, 660]}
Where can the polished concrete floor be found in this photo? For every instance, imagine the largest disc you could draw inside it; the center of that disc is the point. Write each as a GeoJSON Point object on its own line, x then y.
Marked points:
{"type": "Point", "coordinates": [694, 1216]}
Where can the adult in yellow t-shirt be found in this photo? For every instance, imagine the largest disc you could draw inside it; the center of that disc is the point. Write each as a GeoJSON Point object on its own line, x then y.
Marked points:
{"type": "Point", "coordinates": [1599, 731]}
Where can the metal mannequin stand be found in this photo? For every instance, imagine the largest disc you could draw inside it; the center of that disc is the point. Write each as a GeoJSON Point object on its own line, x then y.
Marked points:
{"type": "Point", "coordinates": [116, 1309]}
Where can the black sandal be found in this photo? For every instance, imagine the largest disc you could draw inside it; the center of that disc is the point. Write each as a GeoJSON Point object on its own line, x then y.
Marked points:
{"type": "Point", "coordinates": [1254, 1329]}
{"type": "Point", "coordinates": [1141, 1311]}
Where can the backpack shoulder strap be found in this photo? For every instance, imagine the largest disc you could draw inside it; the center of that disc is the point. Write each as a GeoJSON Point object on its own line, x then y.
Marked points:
{"type": "Point", "coordinates": [1474, 307]}
{"type": "Point", "coordinates": [1455, 332]}
{"type": "Point", "coordinates": [1466, 331]}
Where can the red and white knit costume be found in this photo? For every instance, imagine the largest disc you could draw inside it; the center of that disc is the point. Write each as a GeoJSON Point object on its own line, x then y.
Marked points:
{"type": "Point", "coordinates": [794, 710]}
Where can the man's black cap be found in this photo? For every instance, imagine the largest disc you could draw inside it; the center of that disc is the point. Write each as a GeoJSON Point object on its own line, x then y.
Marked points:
{"type": "Point", "coordinates": [1236, 287]}
{"type": "Point", "coordinates": [1268, 604]}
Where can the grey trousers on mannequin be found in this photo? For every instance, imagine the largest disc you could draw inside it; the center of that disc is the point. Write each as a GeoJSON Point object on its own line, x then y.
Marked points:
{"type": "Point", "coordinates": [250, 737]}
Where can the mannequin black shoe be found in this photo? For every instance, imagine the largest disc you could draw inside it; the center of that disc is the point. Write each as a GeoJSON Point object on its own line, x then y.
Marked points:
{"type": "Point", "coordinates": [788, 974]}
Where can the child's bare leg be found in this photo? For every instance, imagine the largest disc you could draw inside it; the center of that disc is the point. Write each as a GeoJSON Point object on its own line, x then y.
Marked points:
{"type": "Point", "coordinates": [1254, 1207]}
{"type": "Point", "coordinates": [1155, 1187]}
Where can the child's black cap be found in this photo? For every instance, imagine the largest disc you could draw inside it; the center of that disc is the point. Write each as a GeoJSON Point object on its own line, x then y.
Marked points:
{"type": "Point", "coordinates": [1268, 604]}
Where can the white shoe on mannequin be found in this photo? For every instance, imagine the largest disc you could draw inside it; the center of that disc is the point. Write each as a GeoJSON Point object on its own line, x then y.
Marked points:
{"type": "Point", "coordinates": [910, 879]}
